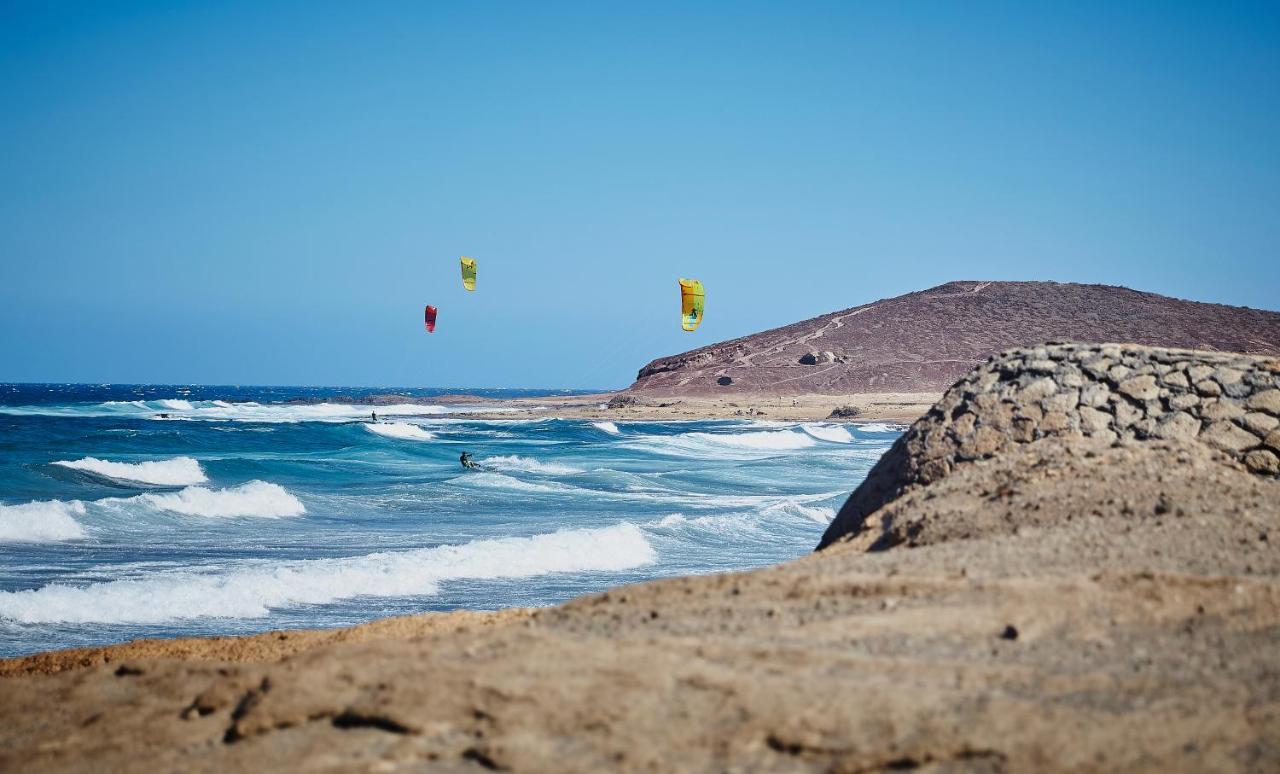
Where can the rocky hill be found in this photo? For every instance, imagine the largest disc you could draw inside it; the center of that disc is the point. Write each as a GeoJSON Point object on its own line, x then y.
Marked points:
{"type": "Point", "coordinates": [924, 341]}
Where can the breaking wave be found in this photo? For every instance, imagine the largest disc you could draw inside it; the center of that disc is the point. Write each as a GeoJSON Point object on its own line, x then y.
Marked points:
{"type": "Point", "coordinates": [490, 480]}
{"type": "Point", "coordinates": [401, 430]}
{"type": "Point", "coordinates": [253, 591]}
{"type": "Point", "coordinates": [220, 410]}
{"type": "Point", "coordinates": [41, 522]}
{"type": "Point", "coordinates": [749, 445]}
{"type": "Point", "coordinates": [830, 433]}
{"type": "Point", "coordinates": [608, 427]}
{"type": "Point", "coordinates": [879, 427]}
{"type": "Point", "coordinates": [528, 465]}
{"type": "Point", "coordinates": [257, 499]}
{"type": "Point", "coordinates": [179, 471]}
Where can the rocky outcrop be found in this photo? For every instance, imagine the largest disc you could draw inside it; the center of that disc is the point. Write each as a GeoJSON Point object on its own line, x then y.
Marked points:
{"type": "Point", "coordinates": [925, 341]}
{"type": "Point", "coordinates": [1106, 393]}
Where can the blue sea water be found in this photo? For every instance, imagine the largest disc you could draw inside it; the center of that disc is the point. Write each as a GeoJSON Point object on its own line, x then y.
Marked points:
{"type": "Point", "coordinates": [247, 509]}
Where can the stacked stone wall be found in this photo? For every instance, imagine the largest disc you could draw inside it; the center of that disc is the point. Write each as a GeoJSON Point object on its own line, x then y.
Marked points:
{"type": "Point", "coordinates": [1107, 393]}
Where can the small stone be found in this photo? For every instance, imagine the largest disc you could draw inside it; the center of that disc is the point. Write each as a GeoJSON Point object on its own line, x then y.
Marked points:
{"type": "Point", "coordinates": [934, 470]}
{"type": "Point", "coordinates": [1184, 401]}
{"type": "Point", "coordinates": [1199, 373]}
{"type": "Point", "coordinates": [1176, 379]}
{"type": "Point", "coordinates": [1040, 388]}
{"type": "Point", "coordinates": [1095, 394]}
{"type": "Point", "coordinates": [1140, 387]}
{"type": "Point", "coordinates": [964, 425]}
{"type": "Point", "coordinates": [1225, 376]}
{"type": "Point", "coordinates": [1030, 411]}
{"type": "Point", "coordinates": [1041, 366]}
{"type": "Point", "coordinates": [1010, 633]}
{"type": "Point", "coordinates": [1208, 388]}
{"type": "Point", "coordinates": [1093, 421]}
{"type": "Point", "coordinates": [1097, 367]}
{"type": "Point", "coordinates": [1221, 409]}
{"type": "Point", "coordinates": [1240, 389]}
{"type": "Point", "coordinates": [1228, 437]}
{"type": "Point", "coordinates": [1273, 440]}
{"type": "Point", "coordinates": [1055, 422]}
{"type": "Point", "coordinates": [1118, 372]}
{"type": "Point", "coordinates": [985, 442]}
{"type": "Point", "coordinates": [1071, 378]}
{"type": "Point", "coordinates": [1258, 423]}
{"type": "Point", "coordinates": [1262, 461]}
{"type": "Point", "coordinates": [1126, 414]}
{"type": "Point", "coordinates": [1268, 401]}
{"type": "Point", "coordinates": [1062, 402]}
{"type": "Point", "coordinates": [1178, 425]}
{"type": "Point", "coordinates": [1024, 430]}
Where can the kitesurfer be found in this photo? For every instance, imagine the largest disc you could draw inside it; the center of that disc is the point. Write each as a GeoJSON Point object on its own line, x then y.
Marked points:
{"type": "Point", "coordinates": [467, 462]}
{"type": "Point", "coordinates": [374, 414]}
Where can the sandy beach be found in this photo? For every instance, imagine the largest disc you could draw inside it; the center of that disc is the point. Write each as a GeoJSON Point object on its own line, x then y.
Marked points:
{"type": "Point", "coordinates": [901, 407]}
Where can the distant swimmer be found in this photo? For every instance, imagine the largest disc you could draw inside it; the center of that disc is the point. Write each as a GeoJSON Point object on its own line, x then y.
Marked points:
{"type": "Point", "coordinates": [163, 416]}
{"type": "Point", "coordinates": [467, 462]}
{"type": "Point", "coordinates": [374, 414]}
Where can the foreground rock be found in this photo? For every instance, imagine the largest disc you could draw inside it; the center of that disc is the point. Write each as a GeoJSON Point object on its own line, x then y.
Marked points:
{"type": "Point", "coordinates": [1104, 393]}
{"type": "Point", "coordinates": [1068, 605]}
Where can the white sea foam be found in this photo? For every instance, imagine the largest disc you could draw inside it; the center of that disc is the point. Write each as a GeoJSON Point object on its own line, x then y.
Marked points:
{"type": "Point", "coordinates": [401, 430]}
{"type": "Point", "coordinates": [491, 480]}
{"type": "Point", "coordinates": [797, 509]}
{"type": "Point", "coordinates": [528, 465]}
{"type": "Point", "coordinates": [830, 433]}
{"type": "Point", "coordinates": [179, 471]}
{"type": "Point", "coordinates": [41, 522]}
{"type": "Point", "coordinates": [878, 427]}
{"type": "Point", "coordinates": [253, 590]}
{"type": "Point", "coordinates": [220, 410]}
{"type": "Point", "coordinates": [608, 427]}
{"type": "Point", "coordinates": [749, 445]}
{"type": "Point", "coordinates": [256, 498]}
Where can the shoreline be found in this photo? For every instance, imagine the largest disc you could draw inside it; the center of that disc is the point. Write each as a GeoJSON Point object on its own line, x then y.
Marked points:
{"type": "Point", "coordinates": [899, 407]}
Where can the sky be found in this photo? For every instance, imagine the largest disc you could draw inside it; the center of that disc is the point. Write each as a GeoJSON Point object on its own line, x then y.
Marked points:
{"type": "Point", "coordinates": [270, 192]}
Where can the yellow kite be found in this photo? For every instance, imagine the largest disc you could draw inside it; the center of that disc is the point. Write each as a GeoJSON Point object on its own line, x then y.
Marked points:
{"type": "Point", "coordinates": [468, 273]}
{"type": "Point", "coordinates": [691, 297]}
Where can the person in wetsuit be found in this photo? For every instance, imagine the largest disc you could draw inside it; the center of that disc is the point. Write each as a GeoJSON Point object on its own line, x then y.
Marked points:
{"type": "Point", "coordinates": [466, 461]}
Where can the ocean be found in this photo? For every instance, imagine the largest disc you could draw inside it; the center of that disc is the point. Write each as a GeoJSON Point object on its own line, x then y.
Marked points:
{"type": "Point", "coordinates": [163, 511]}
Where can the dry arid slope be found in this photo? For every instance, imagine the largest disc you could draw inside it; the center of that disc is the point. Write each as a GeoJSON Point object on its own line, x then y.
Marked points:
{"type": "Point", "coordinates": [924, 341]}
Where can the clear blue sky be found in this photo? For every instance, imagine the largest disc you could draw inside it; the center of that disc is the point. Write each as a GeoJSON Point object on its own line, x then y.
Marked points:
{"type": "Point", "coordinates": [268, 193]}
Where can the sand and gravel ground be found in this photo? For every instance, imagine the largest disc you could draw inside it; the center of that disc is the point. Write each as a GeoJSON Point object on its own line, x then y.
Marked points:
{"type": "Point", "coordinates": [887, 406]}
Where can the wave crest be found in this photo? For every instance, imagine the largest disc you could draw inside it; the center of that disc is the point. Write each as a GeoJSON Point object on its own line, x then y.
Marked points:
{"type": "Point", "coordinates": [256, 498]}
{"type": "Point", "coordinates": [46, 521]}
{"type": "Point", "coordinates": [402, 430]}
{"type": "Point", "coordinates": [179, 471]}
{"type": "Point", "coordinates": [253, 591]}
{"type": "Point", "coordinates": [528, 465]}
